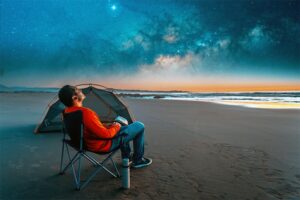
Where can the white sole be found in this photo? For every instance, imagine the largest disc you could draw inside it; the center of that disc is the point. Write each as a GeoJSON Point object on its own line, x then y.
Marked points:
{"type": "Point", "coordinates": [142, 166]}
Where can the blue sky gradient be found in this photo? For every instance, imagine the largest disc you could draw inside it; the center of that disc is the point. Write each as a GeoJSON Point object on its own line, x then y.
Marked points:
{"type": "Point", "coordinates": [49, 41]}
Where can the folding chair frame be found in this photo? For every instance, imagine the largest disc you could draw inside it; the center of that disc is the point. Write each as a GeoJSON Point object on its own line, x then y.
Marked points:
{"type": "Point", "coordinates": [80, 184]}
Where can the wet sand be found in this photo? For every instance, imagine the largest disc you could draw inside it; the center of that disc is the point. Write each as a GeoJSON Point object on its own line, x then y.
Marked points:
{"type": "Point", "coordinates": [200, 151]}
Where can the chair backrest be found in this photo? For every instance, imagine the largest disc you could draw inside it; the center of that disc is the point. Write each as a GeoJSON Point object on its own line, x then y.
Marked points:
{"type": "Point", "coordinates": [73, 124]}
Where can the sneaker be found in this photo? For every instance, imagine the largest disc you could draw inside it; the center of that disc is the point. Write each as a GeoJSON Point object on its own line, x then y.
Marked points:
{"type": "Point", "coordinates": [143, 163]}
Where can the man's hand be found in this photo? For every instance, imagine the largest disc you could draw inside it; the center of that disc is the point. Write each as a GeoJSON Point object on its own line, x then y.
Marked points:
{"type": "Point", "coordinates": [116, 124]}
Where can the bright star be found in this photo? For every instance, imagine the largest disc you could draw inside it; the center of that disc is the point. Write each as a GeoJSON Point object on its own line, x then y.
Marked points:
{"type": "Point", "coordinates": [113, 7]}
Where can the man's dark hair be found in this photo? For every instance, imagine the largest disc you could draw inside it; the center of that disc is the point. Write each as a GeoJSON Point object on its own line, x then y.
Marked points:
{"type": "Point", "coordinates": [65, 95]}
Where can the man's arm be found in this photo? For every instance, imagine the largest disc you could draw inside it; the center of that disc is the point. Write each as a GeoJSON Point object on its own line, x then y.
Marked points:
{"type": "Point", "coordinates": [94, 126]}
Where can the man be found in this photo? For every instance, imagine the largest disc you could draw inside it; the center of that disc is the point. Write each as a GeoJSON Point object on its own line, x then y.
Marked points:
{"type": "Point", "coordinates": [99, 138]}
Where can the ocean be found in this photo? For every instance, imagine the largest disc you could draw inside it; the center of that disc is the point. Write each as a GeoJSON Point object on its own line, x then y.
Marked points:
{"type": "Point", "coordinates": [250, 99]}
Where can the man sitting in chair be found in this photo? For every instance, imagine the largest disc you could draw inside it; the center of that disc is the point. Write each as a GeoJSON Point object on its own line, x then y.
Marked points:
{"type": "Point", "coordinates": [94, 130]}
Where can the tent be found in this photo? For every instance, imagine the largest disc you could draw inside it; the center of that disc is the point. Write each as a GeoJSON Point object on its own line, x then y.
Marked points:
{"type": "Point", "coordinates": [98, 98]}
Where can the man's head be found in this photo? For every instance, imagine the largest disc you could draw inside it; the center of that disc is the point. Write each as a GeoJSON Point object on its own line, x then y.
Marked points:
{"type": "Point", "coordinates": [71, 96]}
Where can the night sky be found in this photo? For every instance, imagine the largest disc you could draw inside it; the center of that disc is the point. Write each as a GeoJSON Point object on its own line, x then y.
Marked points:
{"type": "Point", "coordinates": [53, 42]}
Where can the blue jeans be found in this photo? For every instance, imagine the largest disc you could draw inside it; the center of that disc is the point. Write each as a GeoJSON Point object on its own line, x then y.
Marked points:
{"type": "Point", "coordinates": [135, 132]}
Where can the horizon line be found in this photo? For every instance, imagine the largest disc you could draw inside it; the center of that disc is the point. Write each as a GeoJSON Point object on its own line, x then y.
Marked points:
{"type": "Point", "coordinates": [204, 90]}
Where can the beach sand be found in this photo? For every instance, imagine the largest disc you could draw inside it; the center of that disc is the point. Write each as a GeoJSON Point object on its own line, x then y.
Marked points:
{"type": "Point", "coordinates": [199, 150]}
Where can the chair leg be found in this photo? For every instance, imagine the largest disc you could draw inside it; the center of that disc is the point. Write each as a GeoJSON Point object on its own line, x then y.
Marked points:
{"type": "Point", "coordinates": [100, 164]}
{"type": "Point", "coordinates": [71, 161]}
{"type": "Point", "coordinates": [95, 163]}
{"type": "Point", "coordinates": [100, 167]}
{"type": "Point", "coordinates": [62, 158]}
{"type": "Point", "coordinates": [78, 171]}
{"type": "Point", "coordinates": [116, 169]}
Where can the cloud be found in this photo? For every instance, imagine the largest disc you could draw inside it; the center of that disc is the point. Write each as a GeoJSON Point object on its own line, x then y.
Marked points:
{"type": "Point", "coordinates": [170, 65]}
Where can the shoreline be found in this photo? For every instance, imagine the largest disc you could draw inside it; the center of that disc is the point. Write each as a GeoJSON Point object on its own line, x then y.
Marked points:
{"type": "Point", "coordinates": [250, 104]}
{"type": "Point", "coordinates": [151, 95]}
{"type": "Point", "coordinates": [245, 104]}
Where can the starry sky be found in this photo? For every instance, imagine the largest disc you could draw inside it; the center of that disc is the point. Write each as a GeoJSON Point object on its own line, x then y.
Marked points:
{"type": "Point", "coordinates": [150, 44]}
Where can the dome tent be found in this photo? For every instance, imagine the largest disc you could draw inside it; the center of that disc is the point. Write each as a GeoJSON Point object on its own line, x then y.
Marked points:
{"type": "Point", "coordinates": [98, 98]}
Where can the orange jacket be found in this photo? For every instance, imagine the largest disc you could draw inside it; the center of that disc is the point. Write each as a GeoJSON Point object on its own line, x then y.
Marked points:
{"type": "Point", "coordinates": [94, 130]}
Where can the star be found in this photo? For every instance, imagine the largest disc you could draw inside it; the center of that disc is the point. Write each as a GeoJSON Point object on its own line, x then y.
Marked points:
{"type": "Point", "coordinates": [113, 7]}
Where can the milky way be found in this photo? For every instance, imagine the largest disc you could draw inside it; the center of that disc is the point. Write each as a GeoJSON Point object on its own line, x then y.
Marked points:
{"type": "Point", "coordinates": [83, 38]}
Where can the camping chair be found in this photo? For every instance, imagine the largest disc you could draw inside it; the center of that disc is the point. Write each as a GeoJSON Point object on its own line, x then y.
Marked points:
{"type": "Point", "coordinates": [73, 126]}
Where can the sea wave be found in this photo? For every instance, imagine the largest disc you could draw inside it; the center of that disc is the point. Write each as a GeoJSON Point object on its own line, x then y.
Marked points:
{"type": "Point", "coordinates": [280, 97]}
